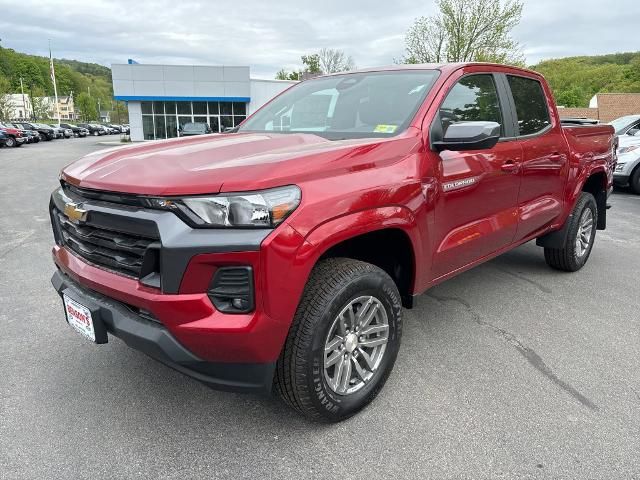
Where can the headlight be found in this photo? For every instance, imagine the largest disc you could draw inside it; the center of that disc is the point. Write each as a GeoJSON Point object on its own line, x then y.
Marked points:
{"type": "Point", "coordinates": [628, 149]}
{"type": "Point", "coordinates": [263, 209]}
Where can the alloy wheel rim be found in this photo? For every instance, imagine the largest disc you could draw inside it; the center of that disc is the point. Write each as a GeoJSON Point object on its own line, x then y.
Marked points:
{"type": "Point", "coordinates": [585, 229]}
{"type": "Point", "coordinates": [355, 345]}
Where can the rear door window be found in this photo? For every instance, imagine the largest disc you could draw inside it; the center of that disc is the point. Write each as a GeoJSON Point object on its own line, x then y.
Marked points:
{"type": "Point", "coordinates": [531, 104]}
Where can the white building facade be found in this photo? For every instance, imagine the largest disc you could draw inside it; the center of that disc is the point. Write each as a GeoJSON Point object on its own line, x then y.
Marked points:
{"type": "Point", "coordinates": [19, 106]}
{"type": "Point", "coordinates": [162, 98]}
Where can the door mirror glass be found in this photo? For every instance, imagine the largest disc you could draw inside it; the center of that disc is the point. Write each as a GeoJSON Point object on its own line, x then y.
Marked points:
{"type": "Point", "coordinates": [477, 135]}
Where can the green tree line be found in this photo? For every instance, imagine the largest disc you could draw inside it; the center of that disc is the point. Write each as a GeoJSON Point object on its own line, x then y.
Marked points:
{"type": "Point", "coordinates": [575, 80]}
{"type": "Point", "coordinates": [89, 83]}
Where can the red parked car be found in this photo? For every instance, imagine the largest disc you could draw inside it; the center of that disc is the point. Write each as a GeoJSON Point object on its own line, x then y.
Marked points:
{"type": "Point", "coordinates": [280, 257]}
{"type": "Point", "coordinates": [14, 136]}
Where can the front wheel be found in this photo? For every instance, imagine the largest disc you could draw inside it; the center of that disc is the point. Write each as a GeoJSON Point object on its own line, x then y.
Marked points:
{"type": "Point", "coordinates": [343, 341]}
{"type": "Point", "coordinates": [580, 237]}
{"type": "Point", "coordinates": [10, 142]}
{"type": "Point", "coordinates": [634, 181]}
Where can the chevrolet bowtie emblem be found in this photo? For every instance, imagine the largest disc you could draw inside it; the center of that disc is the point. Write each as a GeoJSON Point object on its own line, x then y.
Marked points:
{"type": "Point", "coordinates": [74, 212]}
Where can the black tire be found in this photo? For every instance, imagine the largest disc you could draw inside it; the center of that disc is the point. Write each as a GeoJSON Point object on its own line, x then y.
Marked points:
{"type": "Point", "coordinates": [10, 142]}
{"type": "Point", "coordinates": [634, 180]}
{"type": "Point", "coordinates": [569, 258]}
{"type": "Point", "coordinates": [300, 374]}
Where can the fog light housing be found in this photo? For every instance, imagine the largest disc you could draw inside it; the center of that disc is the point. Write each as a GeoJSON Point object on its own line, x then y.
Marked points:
{"type": "Point", "coordinates": [231, 290]}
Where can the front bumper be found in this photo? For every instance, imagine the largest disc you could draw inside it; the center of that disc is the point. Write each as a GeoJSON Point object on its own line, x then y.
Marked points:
{"type": "Point", "coordinates": [153, 339]}
{"type": "Point", "coordinates": [620, 180]}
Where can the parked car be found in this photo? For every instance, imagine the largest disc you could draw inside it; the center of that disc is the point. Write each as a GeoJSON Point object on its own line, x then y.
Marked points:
{"type": "Point", "coordinates": [624, 124]}
{"type": "Point", "coordinates": [66, 132]}
{"type": "Point", "coordinates": [32, 136]}
{"type": "Point", "coordinates": [93, 128]}
{"type": "Point", "coordinates": [45, 131]}
{"type": "Point", "coordinates": [3, 138]}
{"type": "Point", "coordinates": [14, 135]}
{"type": "Point", "coordinates": [281, 256]}
{"type": "Point", "coordinates": [59, 132]}
{"type": "Point", "coordinates": [111, 130]}
{"type": "Point", "coordinates": [195, 128]}
{"type": "Point", "coordinates": [75, 129]}
{"type": "Point", "coordinates": [627, 171]}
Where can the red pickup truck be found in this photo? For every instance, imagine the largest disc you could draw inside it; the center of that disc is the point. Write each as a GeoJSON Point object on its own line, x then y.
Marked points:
{"type": "Point", "coordinates": [279, 257]}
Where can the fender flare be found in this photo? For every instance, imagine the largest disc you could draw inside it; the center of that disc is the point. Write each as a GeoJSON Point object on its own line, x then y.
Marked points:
{"type": "Point", "coordinates": [329, 234]}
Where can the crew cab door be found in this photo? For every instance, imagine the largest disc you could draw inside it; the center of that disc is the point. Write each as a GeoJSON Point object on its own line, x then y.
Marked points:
{"type": "Point", "coordinates": [545, 155]}
{"type": "Point", "coordinates": [476, 207]}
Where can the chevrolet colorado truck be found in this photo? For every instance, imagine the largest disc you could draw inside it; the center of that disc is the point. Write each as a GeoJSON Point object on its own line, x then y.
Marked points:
{"type": "Point", "coordinates": [279, 257]}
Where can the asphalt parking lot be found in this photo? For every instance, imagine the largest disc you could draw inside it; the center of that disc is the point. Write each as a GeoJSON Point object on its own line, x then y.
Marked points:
{"type": "Point", "coordinates": [509, 370]}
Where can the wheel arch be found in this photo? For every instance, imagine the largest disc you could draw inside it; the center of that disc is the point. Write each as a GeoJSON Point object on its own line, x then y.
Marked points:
{"type": "Point", "coordinates": [386, 237]}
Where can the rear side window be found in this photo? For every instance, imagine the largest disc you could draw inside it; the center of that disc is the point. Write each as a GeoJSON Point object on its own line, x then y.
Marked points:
{"type": "Point", "coordinates": [473, 98]}
{"type": "Point", "coordinates": [531, 104]}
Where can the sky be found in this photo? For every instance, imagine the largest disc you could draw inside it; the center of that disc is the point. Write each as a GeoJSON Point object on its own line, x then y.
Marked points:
{"type": "Point", "coordinates": [269, 35]}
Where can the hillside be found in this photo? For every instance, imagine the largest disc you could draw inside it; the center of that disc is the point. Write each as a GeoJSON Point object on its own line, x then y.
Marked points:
{"type": "Point", "coordinates": [575, 80]}
{"type": "Point", "coordinates": [71, 76]}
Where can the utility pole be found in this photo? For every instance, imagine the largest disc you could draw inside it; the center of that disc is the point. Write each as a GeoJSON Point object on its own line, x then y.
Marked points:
{"type": "Point", "coordinates": [55, 87]}
{"type": "Point", "coordinates": [24, 103]}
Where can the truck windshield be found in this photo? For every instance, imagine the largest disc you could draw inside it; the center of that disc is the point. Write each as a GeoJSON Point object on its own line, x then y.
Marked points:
{"type": "Point", "coordinates": [355, 105]}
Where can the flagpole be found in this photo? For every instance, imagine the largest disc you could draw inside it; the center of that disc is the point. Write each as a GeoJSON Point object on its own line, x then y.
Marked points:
{"type": "Point", "coordinates": [55, 87]}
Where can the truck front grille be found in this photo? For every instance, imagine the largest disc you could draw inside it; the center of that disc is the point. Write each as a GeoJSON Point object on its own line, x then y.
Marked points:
{"type": "Point", "coordinates": [124, 253]}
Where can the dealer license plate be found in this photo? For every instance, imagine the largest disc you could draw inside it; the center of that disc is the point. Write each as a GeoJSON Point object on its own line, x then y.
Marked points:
{"type": "Point", "coordinates": [79, 317]}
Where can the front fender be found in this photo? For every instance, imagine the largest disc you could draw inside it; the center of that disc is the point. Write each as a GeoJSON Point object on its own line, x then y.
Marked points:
{"type": "Point", "coordinates": [339, 229]}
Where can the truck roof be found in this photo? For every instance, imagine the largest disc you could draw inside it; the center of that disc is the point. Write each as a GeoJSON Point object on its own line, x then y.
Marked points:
{"type": "Point", "coordinates": [446, 68]}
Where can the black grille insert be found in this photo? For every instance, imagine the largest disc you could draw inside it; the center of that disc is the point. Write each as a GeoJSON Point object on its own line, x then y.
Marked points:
{"type": "Point", "coordinates": [121, 252]}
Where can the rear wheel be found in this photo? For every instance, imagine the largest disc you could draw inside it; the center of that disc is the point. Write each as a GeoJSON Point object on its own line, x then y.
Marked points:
{"type": "Point", "coordinates": [580, 237]}
{"type": "Point", "coordinates": [343, 341]}
{"type": "Point", "coordinates": [634, 181]}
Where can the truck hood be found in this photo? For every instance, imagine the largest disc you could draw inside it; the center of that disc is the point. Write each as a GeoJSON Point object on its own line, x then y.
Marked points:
{"type": "Point", "coordinates": [210, 164]}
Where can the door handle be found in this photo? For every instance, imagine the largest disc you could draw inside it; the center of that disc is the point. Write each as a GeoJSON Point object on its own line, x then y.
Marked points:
{"type": "Point", "coordinates": [509, 167]}
{"type": "Point", "coordinates": [556, 157]}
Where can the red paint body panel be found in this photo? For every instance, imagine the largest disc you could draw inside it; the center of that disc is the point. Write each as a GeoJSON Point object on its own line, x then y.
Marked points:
{"type": "Point", "coordinates": [457, 209]}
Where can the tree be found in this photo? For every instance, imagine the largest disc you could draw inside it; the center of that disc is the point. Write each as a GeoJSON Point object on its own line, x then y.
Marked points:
{"type": "Point", "coordinates": [40, 104]}
{"type": "Point", "coordinates": [87, 107]}
{"type": "Point", "coordinates": [6, 107]}
{"type": "Point", "coordinates": [464, 31]}
{"type": "Point", "coordinates": [333, 61]}
{"type": "Point", "coordinates": [327, 60]}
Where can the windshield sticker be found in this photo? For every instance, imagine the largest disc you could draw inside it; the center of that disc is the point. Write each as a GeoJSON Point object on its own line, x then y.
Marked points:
{"type": "Point", "coordinates": [385, 128]}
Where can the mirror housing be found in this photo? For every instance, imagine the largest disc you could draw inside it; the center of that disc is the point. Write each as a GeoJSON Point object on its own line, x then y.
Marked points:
{"type": "Point", "coordinates": [469, 136]}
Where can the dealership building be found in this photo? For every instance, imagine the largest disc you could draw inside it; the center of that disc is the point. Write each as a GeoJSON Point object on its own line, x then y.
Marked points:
{"type": "Point", "coordinates": [162, 98]}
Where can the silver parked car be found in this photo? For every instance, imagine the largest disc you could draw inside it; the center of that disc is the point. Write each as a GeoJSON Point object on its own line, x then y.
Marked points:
{"type": "Point", "coordinates": [627, 172]}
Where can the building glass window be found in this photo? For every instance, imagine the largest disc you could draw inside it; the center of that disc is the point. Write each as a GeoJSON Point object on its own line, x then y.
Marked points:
{"type": "Point", "coordinates": [158, 108]}
{"type": "Point", "coordinates": [199, 108]}
{"type": "Point", "coordinates": [172, 125]}
{"type": "Point", "coordinates": [161, 131]}
{"type": "Point", "coordinates": [184, 108]}
{"type": "Point", "coordinates": [170, 108]}
{"type": "Point", "coordinates": [239, 108]}
{"type": "Point", "coordinates": [226, 121]}
{"type": "Point", "coordinates": [226, 108]}
{"type": "Point", "coordinates": [147, 127]}
{"type": "Point", "coordinates": [214, 123]}
{"type": "Point", "coordinates": [162, 120]}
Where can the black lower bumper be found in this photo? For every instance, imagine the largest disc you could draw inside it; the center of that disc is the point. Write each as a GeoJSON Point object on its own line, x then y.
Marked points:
{"type": "Point", "coordinates": [621, 180]}
{"type": "Point", "coordinates": [153, 339]}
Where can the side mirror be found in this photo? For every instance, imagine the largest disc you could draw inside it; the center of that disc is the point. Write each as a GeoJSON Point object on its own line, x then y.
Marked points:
{"type": "Point", "coordinates": [469, 136]}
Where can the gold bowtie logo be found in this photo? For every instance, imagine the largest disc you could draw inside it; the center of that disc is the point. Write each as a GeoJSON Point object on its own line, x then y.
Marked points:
{"type": "Point", "coordinates": [74, 212]}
